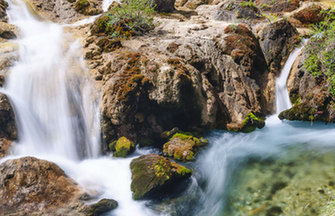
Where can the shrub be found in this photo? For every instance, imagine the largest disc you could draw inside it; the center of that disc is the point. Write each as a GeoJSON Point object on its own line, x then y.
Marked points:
{"type": "Point", "coordinates": [320, 60]}
{"type": "Point", "coordinates": [133, 17]}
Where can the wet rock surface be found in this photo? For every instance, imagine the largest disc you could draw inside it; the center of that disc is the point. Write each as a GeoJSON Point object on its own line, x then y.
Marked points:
{"type": "Point", "coordinates": [32, 185]}
{"type": "Point", "coordinates": [154, 176]}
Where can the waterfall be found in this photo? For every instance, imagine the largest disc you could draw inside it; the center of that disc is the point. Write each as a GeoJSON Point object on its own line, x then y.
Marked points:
{"type": "Point", "coordinates": [56, 106]}
{"type": "Point", "coordinates": [54, 101]}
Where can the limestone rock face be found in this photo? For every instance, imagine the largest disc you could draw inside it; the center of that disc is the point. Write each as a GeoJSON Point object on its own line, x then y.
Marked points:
{"type": "Point", "coordinates": [152, 175]}
{"type": "Point", "coordinates": [190, 81]}
{"type": "Point", "coordinates": [64, 11]}
{"type": "Point", "coordinates": [277, 41]}
{"type": "Point", "coordinates": [29, 185]}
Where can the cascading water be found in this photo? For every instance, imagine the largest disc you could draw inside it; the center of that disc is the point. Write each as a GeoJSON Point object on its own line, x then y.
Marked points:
{"type": "Point", "coordinates": [57, 110]}
{"type": "Point", "coordinates": [226, 185]}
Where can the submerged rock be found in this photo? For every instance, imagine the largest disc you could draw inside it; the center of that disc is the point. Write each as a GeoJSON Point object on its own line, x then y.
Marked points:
{"type": "Point", "coordinates": [31, 185]}
{"type": "Point", "coordinates": [154, 175]}
{"type": "Point", "coordinates": [183, 146]}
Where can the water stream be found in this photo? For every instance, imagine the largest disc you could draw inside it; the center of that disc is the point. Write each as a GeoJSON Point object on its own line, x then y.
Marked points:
{"type": "Point", "coordinates": [58, 118]}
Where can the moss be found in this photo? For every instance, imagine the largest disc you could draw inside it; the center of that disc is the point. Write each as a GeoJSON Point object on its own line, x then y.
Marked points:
{"type": "Point", "coordinates": [123, 147]}
{"type": "Point", "coordinates": [249, 124]}
{"type": "Point", "coordinates": [81, 5]}
{"type": "Point", "coordinates": [303, 112]}
{"type": "Point", "coordinates": [101, 207]}
{"type": "Point", "coordinates": [131, 81]}
{"type": "Point", "coordinates": [189, 137]}
{"type": "Point", "coordinates": [162, 169]}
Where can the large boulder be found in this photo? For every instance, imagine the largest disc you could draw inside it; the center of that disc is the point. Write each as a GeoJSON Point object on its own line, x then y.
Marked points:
{"type": "Point", "coordinates": [277, 40]}
{"type": "Point", "coordinates": [153, 176]}
{"type": "Point", "coordinates": [193, 82]}
{"type": "Point", "coordinates": [29, 185]}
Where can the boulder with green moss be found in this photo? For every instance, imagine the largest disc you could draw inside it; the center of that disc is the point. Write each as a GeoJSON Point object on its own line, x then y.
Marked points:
{"type": "Point", "coordinates": [86, 7]}
{"type": "Point", "coordinates": [249, 124]}
{"type": "Point", "coordinates": [101, 207]}
{"type": "Point", "coordinates": [154, 175]}
{"type": "Point", "coordinates": [183, 146]}
{"type": "Point", "coordinates": [122, 147]}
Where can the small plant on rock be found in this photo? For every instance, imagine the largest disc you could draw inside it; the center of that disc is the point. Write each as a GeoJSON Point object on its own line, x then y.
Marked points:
{"type": "Point", "coordinates": [133, 17]}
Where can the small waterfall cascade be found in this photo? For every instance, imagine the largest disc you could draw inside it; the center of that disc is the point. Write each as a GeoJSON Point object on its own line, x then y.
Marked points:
{"type": "Point", "coordinates": [55, 105]}
{"type": "Point", "coordinates": [57, 110]}
{"type": "Point", "coordinates": [282, 98]}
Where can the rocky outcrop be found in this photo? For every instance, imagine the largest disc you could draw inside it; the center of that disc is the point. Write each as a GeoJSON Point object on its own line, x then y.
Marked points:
{"type": "Point", "coordinates": [309, 95]}
{"type": "Point", "coordinates": [7, 119]}
{"type": "Point", "coordinates": [164, 5]}
{"type": "Point", "coordinates": [309, 14]}
{"type": "Point", "coordinates": [278, 5]}
{"type": "Point", "coordinates": [29, 185]}
{"type": "Point", "coordinates": [249, 124]}
{"type": "Point", "coordinates": [153, 176]}
{"type": "Point", "coordinates": [191, 82]}
{"type": "Point", "coordinates": [277, 41]}
{"type": "Point", "coordinates": [64, 11]}
{"type": "Point", "coordinates": [8, 31]}
{"type": "Point", "coordinates": [3, 14]}
{"type": "Point", "coordinates": [183, 146]}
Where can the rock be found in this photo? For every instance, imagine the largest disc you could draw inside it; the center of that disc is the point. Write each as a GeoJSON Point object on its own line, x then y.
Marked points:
{"type": "Point", "coordinates": [200, 83]}
{"type": "Point", "coordinates": [183, 146]}
{"type": "Point", "coordinates": [3, 14]}
{"type": "Point", "coordinates": [87, 7]}
{"type": "Point", "coordinates": [8, 31]}
{"type": "Point", "coordinates": [230, 10]}
{"type": "Point", "coordinates": [63, 11]}
{"type": "Point", "coordinates": [278, 5]}
{"type": "Point", "coordinates": [309, 95]}
{"type": "Point", "coordinates": [122, 147]}
{"type": "Point", "coordinates": [8, 127]}
{"type": "Point", "coordinates": [310, 14]}
{"type": "Point", "coordinates": [249, 124]}
{"type": "Point", "coordinates": [101, 207]}
{"type": "Point", "coordinates": [29, 185]}
{"type": "Point", "coordinates": [191, 4]}
{"type": "Point", "coordinates": [277, 41]}
{"type": "Point", "coordinates": [4, 146]}
{"type": "Point", "coordinates": [164, 5]}
{"type": "Point", "coordinates": [154, 175]}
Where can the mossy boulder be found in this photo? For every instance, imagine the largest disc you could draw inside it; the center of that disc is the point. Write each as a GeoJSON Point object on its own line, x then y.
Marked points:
{"type": "Point", "coordinates": [86, 7]}
{"type": "Point", "coordinates": [249, 124]}
{"type": "Point", "coordinates": [154, 175]}
{"type": "Point", "coordinates": [101, 207]}
{"type": "Point", "coordinates": [310, 14]}
{"type": "Point", "coordinates": [122, 147]}
{"type": "Point", "coordinates": [183, 146]}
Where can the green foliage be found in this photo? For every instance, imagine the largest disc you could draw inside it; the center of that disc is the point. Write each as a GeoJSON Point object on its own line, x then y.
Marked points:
{"type": "Point", "coordinates": [249, 3]}
{"type": "Point", "coordinates": [320, 60]}
{"type": "Point", "coordinates": [133, 17]}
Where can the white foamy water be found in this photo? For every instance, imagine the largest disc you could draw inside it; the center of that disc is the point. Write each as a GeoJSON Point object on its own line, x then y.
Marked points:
{"type": "Point", "coordinates": [57, 111]}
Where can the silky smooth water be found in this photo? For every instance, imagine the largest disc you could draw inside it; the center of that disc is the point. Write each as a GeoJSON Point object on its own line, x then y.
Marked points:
{"type": "Point", "coordinates": [57, 113]}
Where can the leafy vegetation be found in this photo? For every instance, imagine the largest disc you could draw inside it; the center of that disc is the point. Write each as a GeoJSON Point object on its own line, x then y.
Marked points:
{"type": "Point", "coordinates": [133, 17]}
{"type": "Point", "coordinates": [320, 60]}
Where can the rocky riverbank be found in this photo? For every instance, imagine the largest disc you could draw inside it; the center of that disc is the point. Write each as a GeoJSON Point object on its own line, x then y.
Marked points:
{"type": "Point", "coordinates": [204, 65]}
